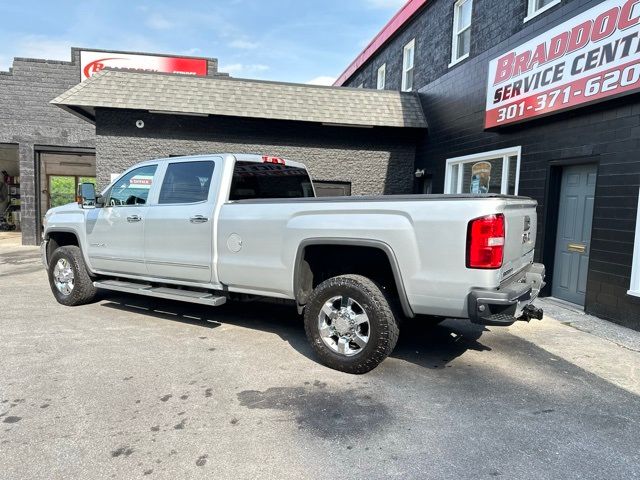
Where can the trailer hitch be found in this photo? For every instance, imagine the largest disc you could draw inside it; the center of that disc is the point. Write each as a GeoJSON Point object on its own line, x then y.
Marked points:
{"type": "Point", "coordinates": [531, 312]}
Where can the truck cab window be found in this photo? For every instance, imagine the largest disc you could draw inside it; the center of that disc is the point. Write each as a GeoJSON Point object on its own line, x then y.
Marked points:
{"type": "Point", "coordinates": [186, 182]}
{"type": "Point", "coordinates": [266, 180]}
{"type": "Point", "coordinates": [133, 188]}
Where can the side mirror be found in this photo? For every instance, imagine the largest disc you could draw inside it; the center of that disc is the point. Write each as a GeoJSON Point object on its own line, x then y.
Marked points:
{"type": "Point", "coordinates": [87, 195]}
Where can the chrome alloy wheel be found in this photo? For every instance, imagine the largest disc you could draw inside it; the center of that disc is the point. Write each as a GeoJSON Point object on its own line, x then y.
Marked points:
{"type": "Point", "coordinates": [63, 277]}
{"type": "Point", "coordinates": [344, 326]}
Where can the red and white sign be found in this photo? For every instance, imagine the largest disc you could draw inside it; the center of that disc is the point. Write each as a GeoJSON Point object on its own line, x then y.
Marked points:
{"type": "Point", "coordinates": [143, 181]}
{"type": "Point", "coordinates": [92, 62]}
{"type": "Point", "coordinates": [593, 56]}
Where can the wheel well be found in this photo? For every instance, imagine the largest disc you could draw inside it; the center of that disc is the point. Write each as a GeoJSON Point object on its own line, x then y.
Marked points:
{"type": "Point", "coordinates": [60, 239]}
{"type": "Point", "coordinates": [318, 263]}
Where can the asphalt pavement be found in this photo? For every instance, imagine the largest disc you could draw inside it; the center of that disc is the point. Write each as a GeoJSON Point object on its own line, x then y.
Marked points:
{"type": "Point", "coordinates": [131, 387]}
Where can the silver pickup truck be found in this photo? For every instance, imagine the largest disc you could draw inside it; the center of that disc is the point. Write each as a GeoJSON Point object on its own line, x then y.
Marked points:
{"type": "Point", "coordinates": [207, 229]}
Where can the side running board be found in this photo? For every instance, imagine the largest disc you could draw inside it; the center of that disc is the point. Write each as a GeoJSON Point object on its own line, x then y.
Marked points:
{"type": "Point", "coordinates": [203, 298]}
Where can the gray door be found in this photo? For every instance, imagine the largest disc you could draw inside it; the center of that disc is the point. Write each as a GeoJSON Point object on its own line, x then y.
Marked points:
{"type": "Point", "coordinates": [115, 233]}
{"type": "Point", "coordinates": [179, 229]}
{"type": "Point", "coordinates": [574, 233]}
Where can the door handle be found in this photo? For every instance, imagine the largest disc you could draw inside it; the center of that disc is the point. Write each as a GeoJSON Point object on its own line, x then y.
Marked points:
{"type": "Point", "coordinates": [198, 219]}
{"type": "Point", "coordinates": [577, 247]}
{"type": "Point", "coordinates": [133, 218]}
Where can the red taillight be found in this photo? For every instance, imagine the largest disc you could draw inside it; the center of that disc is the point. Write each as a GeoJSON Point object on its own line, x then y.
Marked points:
{"type": "Point", "coordinates": [485, 242]}
{"type": "Point", "coordinates": [276, 160]}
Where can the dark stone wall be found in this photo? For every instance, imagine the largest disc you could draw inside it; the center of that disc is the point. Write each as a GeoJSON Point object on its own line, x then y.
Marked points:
{"type": "Point", "coordinates": [375, 161]}
{"type": "Point", "coordinates": [607, 134]}
{"type": "Point", "coordinates": [27, 119]}
{"type": "Point", "coordinates": [497, 26]}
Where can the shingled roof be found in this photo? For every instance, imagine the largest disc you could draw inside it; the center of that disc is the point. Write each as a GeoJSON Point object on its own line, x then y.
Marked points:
{"type": "Point", "coordinates": [181, 94]}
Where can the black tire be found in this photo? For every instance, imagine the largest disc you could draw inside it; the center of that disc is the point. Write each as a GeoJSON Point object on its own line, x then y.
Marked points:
{"type": "Point", "coordinates": [383, 324]}
{"type": "Point", "coordinates": [83, 290]}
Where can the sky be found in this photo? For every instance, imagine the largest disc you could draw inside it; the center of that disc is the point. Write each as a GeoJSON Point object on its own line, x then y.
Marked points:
{"type": "Point", "coordinates": [306, 41]}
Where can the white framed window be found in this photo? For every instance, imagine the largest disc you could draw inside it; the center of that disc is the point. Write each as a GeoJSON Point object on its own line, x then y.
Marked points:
{"type": "Point", "coordinates": [536, 7]}
{"type": "Point", "coordinates": [488, 172]}
{"type": "Point", "coordinates": [634, 288]}
{"type": "Point", "coordinates": [461, 44]}
{"type": "Point", "coordinates": [382, 77]}
{"type": "Point", "coordinates": [408, 64]}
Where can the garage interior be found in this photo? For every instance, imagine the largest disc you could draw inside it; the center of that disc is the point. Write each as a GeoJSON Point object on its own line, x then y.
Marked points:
{"type": "Point", "coordinates": [9, 188]}
{"type": "Point", "coordinates": [60, 175]}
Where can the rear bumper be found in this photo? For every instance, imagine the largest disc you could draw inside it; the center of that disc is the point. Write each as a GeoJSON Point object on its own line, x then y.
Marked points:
{"type": "Point", "coordinates": [510, 302]}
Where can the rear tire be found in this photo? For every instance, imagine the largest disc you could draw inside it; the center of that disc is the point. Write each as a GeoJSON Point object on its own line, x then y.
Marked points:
{"type": "Point", "coordinates": [350, 324]}
{"type": "Point", "coordinates": [68, 277]}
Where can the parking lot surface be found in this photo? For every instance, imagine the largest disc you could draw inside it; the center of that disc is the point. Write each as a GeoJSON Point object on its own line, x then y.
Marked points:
{"type": "Point", "coordinates": [132, 387]}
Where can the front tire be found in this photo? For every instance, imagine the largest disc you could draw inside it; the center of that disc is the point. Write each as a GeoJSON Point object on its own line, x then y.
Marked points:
{"type": "Point", "coordinates": [350, 324]}
{"type": "Point", "coordinates": [68, 277]}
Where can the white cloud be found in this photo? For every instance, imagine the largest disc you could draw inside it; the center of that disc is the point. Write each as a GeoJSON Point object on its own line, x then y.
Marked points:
{"type": "Point", "coordinates": [386, 4]}
{"type": "Point", "coordinates": [242, 69]}
{"type": "Point", "coordinates": [258, 67]}
{"type": "Point", "coordinates": [35, 46]}
{"type": "Point", "coordinates": [191, 51]}
{"type": "Point", "coordinates": [244, 44]}
{"type": "Point", "coordinates": [159, 22]}
{"type": "Point", "coordinates": [232, 69]}
{"type": "Point", "coordinates": [38, 46]}
{"type": "Point", "coordinates": [322, 80]}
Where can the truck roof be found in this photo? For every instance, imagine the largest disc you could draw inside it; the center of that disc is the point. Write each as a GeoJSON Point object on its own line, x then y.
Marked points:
{"type": "Point", "coordinates": [241, 157]}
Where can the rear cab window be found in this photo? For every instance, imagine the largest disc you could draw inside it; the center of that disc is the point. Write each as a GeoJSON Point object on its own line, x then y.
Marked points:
{"type": "Point", "coordinates": [186, 182]}
{"type": "Point", "coordinates": [254, 180]}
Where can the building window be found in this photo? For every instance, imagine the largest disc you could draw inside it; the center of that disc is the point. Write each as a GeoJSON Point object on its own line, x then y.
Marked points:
{"type": "Point", "coordinates": [489, 172]}
{"type": "Point", "coordinates": [408, 57]}
{"type": "Point", "coordinates": [382, 76]}
{"type": "Point", "coordinates": [536, 7]}
{"type": "Point", "coordinates": [461, 45]}
{"type": "Point", "coordinates": [329, 188]}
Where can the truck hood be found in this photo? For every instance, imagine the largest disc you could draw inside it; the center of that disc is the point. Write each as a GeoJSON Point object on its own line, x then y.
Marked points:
{"type": "Point", "coordinates": [62, 209]}
{"type": "Point", "coordinates": [73, 206]}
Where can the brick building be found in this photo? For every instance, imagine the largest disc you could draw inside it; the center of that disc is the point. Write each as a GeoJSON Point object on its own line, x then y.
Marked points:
{"type": "Point", "coordinates": [504, 117]}
{"type": "Point", "coordinates": [362, 142]}
{"type": "Point", "coordinates": [529, 97]}
{"type": "Point", "coordinates": [41, 144]}
{"type": "Point", "coordinates": [353, 141]}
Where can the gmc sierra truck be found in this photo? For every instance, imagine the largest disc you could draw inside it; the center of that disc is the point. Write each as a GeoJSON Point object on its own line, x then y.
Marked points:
{"type": "Point", "coordinates": [213, 228]}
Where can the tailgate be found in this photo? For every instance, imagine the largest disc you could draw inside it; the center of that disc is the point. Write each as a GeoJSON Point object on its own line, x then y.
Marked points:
{"type": "Point", "coordinates": [520, 231]}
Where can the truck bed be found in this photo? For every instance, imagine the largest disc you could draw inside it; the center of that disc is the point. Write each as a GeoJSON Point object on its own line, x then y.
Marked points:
{"type": "Point", "coordinates": [428, 243]}
{"type": "Point", "coordinates": [386, 198]}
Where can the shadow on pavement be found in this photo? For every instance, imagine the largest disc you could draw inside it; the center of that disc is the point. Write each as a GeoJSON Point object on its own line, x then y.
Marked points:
{"type": "Point", "coordinates": [422, 342]}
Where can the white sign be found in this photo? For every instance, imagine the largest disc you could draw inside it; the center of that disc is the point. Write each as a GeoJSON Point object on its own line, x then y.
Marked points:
{"type": "Point", "coordinates": [92, 62]}
{"type": "Point", "coordinates": [593, 56]}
